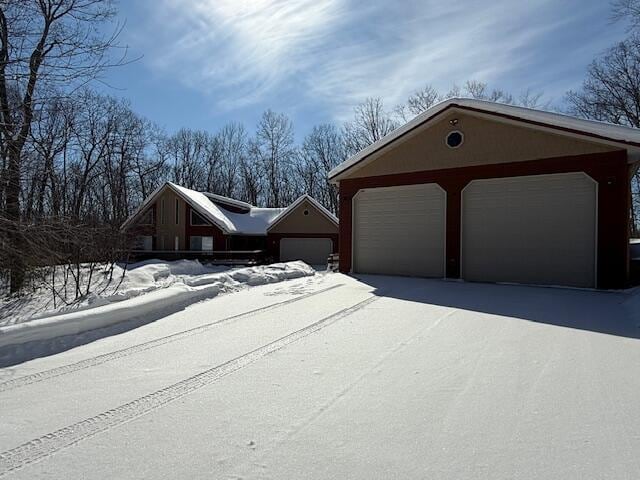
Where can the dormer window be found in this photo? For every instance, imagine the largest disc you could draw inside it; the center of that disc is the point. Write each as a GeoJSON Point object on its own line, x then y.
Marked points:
{"type": "Point", "coordinates": [197, 219]}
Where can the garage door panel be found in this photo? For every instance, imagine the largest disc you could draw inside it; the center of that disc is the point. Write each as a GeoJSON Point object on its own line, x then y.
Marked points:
{"type": "Point", "coordinates": [314, 251]}
{"type": "Point", "coordinates": [538, 230]}
{"type": "Point", "coordinates": [400, 230]}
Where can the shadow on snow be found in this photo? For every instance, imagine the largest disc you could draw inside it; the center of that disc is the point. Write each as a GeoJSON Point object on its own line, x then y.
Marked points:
{"type": "Point", "coordinates": [595, 311]}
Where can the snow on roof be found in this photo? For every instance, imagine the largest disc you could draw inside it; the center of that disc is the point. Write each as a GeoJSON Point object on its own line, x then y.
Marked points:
{"type": "Point", "coordinates": [255, 221]}
{"type": "Point", "coordinates": [595, 130]}
{"type": "Point", "coordinates": [205, 207]}
{"type": "Point", "coordinates": [299, 200]}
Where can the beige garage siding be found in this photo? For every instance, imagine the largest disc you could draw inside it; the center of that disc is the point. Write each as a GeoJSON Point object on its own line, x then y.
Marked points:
{"type": "Point", "coordinates": [297, 222]}
{"type": "Point", "coordinates": [486, 142]}
{"type": "Point", "coordinates": [400, 230]}
{"type": "Point", "coordinates": [536, 230]}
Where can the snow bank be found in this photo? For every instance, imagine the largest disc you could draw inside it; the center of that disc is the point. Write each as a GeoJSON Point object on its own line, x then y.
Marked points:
{"type": "Point", "coordinates": [149, 305]}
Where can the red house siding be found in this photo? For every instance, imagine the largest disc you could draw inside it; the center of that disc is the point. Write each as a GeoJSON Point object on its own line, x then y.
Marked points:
{"type": "Point", "coordinates": [219, 239]}
{"type": "Point", "coordinates": [610, 170]}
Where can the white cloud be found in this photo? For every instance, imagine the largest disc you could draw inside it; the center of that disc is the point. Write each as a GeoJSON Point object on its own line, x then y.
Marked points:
{"type": "Point", "coordinates": [244, 47]}
{"type": "Point", "coordinates": [337, 52]}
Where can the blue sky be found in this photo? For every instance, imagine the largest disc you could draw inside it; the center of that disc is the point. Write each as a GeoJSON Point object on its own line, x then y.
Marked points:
{"type": "Point", "coordinates": [208, 62]}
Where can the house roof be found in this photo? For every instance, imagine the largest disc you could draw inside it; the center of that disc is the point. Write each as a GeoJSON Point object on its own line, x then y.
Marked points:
{"type": "Point", "coordinates": [599, 132]}
{"type": "Point", "coordinates": [254, 222]}
{"type": "Point", "coordinates": [228, 201]}
{"type": "Point", "coordinates": [285, 213]}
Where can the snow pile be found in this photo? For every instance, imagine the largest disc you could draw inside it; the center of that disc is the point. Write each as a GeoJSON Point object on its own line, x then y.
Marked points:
{"type": "Point", "coordinates": [164, 284]}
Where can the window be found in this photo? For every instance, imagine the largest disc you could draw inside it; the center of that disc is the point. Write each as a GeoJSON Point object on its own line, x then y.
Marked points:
{"type": "Point", "coordinates": [176, 243]}
{"type": "Point", "coordinates": [454, 139]}
{"type": "Point", "coordinates": [177, 211]}
{"type": "Point", "coordinates": [147, 218]}
{"type": "Point", "coordinates": [162, 210]}
{"type": "Point", "coordinates": [144, 242]}
{"type": "Point", "coordinates": [196, 219]}
{"type": "Point", "coordinates": [199, 243]}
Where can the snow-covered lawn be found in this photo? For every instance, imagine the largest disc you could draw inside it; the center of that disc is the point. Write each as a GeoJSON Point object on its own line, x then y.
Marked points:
{"type": "Point", "coordinates": [125, 283]}
{"type": "Point", "coordinates": [331, 377]}
{"type": "Point", "coordinates": [148, 291]}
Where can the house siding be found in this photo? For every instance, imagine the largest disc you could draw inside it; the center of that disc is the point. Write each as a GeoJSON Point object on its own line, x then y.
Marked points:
{"type": "Point", "coordinates": [297, 222]}
{"type": "Point", "coordinates": [168, 229]}
{"type": "Point", "coordinates": [298, 225]}
{"type": "Point", "coordinates": [219, 238]}
{"type": "Point", "coordinates": [486, 141]}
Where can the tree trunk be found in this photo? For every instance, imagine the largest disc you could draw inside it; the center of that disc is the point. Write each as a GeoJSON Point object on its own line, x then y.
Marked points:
{"type": "Point", "coordinates": [12, 192]}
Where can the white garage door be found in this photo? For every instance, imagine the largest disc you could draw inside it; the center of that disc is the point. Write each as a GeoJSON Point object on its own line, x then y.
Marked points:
{"type": "Point", "coordinates": [314, 251]}
{"type": "Point", "coordinates": [538, 230]}
{"type": "Point", "coordinates": [400, 230]}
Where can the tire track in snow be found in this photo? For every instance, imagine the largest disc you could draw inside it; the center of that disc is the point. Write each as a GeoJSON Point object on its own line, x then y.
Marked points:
{"type": "Point", "coordinates": [49, 444]}
{"type": "Point", "coordinates": [141, 347]}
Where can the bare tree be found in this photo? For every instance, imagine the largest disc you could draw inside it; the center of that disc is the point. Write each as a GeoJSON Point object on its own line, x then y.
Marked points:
{"type": "Point", "coordinates": [274, 151]}
{"type": "Point", "coordinates": [417, 103]}
{"type": "Point", "coordinates": [627, 10]}
{"type": "Point", "coordinates": [611, 90]}
{"type": "Point", "coordinates": [187, 150]}
{"type": "Point", "coordinates": [611, 93]}
{"type": "Point", "coordinates": [43, 44]}
{"type": "Point", "coordinates": [251, 177]}
{"type": "Point", "coordinates": [232, 139]}
{"type": "Point", "coordinates": [371, 122]}
{"type": "Point", "coordinates": [321, 151]}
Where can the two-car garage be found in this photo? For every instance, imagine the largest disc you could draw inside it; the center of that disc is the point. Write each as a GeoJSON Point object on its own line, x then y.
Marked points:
{"type": "Point", "coordinates": [534, 229]}
{"type": "Point", "coordinates": [510, 201]}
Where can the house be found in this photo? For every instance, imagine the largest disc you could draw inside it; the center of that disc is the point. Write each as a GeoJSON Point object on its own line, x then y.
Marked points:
{"type": "Point", "coordinates": [177, 222]}
{"type": "Point", "coordinates": [494, 193]}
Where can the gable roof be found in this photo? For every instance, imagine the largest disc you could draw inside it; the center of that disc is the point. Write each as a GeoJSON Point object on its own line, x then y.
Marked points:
{"type": "Point", "coordinates": [291, 208]}
{"type": "Point", "coordinates": [254, 222]}
{"type": "Point", "coordinates": [599, 132]}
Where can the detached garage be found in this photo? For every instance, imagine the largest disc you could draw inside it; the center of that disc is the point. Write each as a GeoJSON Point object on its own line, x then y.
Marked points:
{"type": "Point", "coordinates": [492, 193]}
{"type": "Point", "coordinates": [304, 231]}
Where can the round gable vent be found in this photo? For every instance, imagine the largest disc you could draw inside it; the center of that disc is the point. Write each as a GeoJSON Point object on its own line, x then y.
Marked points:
{"type": "Point", "coordinates": [454, 139]}
{"type": "Point", "coordinates": [306, 212]}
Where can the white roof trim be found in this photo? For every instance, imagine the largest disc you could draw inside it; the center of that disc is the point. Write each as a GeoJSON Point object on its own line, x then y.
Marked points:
{"type": "Point", "coordinates": [598, 132]}
{"type": "Point", "coordinates": [330, 216]}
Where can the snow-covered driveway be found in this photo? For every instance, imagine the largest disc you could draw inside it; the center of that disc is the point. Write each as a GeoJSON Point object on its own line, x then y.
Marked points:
{"type": "Point", "coordinates": [333, 377]}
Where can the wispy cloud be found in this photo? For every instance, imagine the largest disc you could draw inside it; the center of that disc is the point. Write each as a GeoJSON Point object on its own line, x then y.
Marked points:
{"type": "Point", "coordinates": [244, 48]}
{"type": "Point", "coordinates": [336, 52]}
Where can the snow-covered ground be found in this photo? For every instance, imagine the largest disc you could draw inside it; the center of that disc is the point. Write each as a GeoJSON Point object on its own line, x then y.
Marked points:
{"type": "Point", "coordinates": [149, 291]}
{"type": "Point", "coordinates": [108, 287]}
{"type": "Point", "coordinates": [331, 377]}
